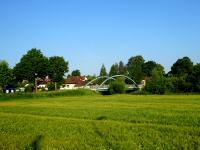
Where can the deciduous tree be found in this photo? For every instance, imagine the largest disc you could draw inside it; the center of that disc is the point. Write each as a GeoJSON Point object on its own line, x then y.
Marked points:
{"type": "Point", "coordinates": [5, 74]}
{"type": "Point", "coordinates": [57, 68]}
{"type": "Point", "coordinates": [194, 78]}
{"type": "Point", "coordinates": [32, 64]}
{"type": "Point", "coordinates": [148, 67]}
{"type": "Point", "coordinates": [156, 84]}
{"type": "Point", "coordinates": [76, 73]}
{"type": "Point", "coordinates": [134, 67]}
{"type": "Point", "coordinates": [182, 67]}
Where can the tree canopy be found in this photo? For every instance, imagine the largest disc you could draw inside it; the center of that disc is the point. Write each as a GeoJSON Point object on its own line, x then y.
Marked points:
{"type": "Point", "coordinates": [5, 74]}
{"type": "Point", "coordinates": [156, 84]}
{"type": "Point", "coordinates": [134, 68]}
{"type": "Point", "coordinates": [148, 67]}
{"type": "Point", "coordinates": [183, 77]}
{"type": "Point", "coordinates": [76, 73]}
{"type": "Point", "coordinates": [122, 69]}
{"type": "Point", "coordinates": [182, 67]}
{"type": "Point", "coordinates": [114, 69]}
{"type": "Point", "coordinates": [33, 64]}
{"type": "Point", "coordinates": [103, 71]}
{"type": "Point", "coordinates": [57, 68]}
{"type": "Point", "coordinates": [194, 78]}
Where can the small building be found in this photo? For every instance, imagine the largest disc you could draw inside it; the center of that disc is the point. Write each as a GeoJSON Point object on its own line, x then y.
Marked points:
{"type": "Point", "coordinates": [9, 89]}
{"type": "Point", "coordinates": [74, 82]}
{"type": "Point", "coordinates": [41, 83]}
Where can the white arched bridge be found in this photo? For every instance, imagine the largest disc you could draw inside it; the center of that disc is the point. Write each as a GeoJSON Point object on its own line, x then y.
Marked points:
{"type": "Point", "coordinates": [104, 87]}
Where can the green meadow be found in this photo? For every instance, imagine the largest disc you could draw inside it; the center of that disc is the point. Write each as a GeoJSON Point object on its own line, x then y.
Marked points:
{"type": "Point", "coordinates": [101, 122]}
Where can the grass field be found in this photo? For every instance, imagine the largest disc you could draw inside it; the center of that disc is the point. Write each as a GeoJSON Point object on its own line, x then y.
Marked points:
{"type": "Point", "coordinates": [101, 122]}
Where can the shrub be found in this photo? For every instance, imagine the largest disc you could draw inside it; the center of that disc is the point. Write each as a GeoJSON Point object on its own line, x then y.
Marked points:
{"type": "Point", "coordinates": [156, 85]}
{"type": "Point", "coordinates": [1, 90]}
{"type": "Point", "coordinates": [29, 88]}
{"type": "Point", "coordinates": [178, 85]}
{"type": "Point", "coordinates": [51, 86]}
{"type": "Point", "coordinates": [117, 86]}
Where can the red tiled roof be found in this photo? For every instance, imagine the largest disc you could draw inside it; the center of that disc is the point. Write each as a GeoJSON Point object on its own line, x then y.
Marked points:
{"type": "Point", "coordinates": [44, 81]}
{"type": "Point", "coordinates": [79, 80]}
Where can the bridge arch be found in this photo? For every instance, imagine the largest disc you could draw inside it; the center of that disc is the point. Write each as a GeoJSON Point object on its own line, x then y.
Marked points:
{"type": "Point", "coordinates": [113, 77]}
{"type": "Point", "coordinates": [99, 77]}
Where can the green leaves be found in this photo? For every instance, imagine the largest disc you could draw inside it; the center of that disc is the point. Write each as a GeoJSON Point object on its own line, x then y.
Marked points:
{"type": "Point", "coordinates": [156, 84]}
{"type": "Point", "coordinates": [34, 62]}
{"type": "Point", "coordinates": [134, 67]}
{"type": "Point", "coordinates": [117, 86]}
{"type": "Point", "coordinates": [57, 68]}
{"type": "Point", "coordinates": [76, 73]}
{"type": "Point", "coordinates": [5, 73]}
{"type": "Point", "coordinates": [182, 67]}
{"type": "Point", "coordinates": [103, 71]}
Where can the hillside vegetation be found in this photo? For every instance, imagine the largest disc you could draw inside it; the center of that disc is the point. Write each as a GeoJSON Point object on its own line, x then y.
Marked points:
{"type": "Point", "coordinates": [101, 122]}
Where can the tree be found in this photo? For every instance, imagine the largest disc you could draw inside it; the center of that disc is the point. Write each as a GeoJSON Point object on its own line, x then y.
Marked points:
{"type": "Point", "coordinates": [182, 67]}
{"type": "Point", "coordinates": [194, 78]}
{"type": "Point", "coordinates": [76, 73]}
{"type": "Point", "coordinates": [134, 67]}
{"type": "Point", "coordinates": [180, 75]}
{"type": "Point", "coordinates": [122, 70]}
{"type": "Point", "coordinates": [178, 84]}
{"type": "Point", "coordinates": [103, 71]}
{"type": "Point", "coordinates": [57, 68]}
{"type": "Point", "coordinates": [33, 64]}
{"type": "Point", "coordinates": [114, 69]}
{"type": "Point", "coordinates": [148, 67]}
{"type": "Point", "coordinates": [5, 74]}
{"type": "Point", "coordinates": [156, 84]}
{"type": "Point", "coordinates": [90, 78]}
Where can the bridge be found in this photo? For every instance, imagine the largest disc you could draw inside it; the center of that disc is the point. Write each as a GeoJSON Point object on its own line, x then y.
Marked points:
{"type": "Point", "coordinates": [103, 87]}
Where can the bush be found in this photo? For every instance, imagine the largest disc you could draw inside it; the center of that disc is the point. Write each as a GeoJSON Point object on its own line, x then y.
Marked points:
{"type": "Point", "coordinates": [178, 85]}
{"type": "Point", "coordinates": [51, 86]}
{"type": "Point", "coordinates": [155, 87]}
{"type": "Point", "coordinates": [156, 84]}
{"type": "Point", "coordinates": [1, 90]}
{"type": "Point", "coordinates": [29, 88]}
{"type": "Point", "coordinates": [117, 86]}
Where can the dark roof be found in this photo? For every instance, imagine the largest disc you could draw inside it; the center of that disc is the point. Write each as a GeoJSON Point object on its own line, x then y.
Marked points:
{"type": "Point", "coordinates": [9, 87]}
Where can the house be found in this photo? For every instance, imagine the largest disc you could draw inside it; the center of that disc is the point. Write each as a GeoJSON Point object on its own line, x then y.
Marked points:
{"type": "Point", "coordinates": [41, 83]}
{"type": "Point", "coordinates": [9, 89]}
{"type": "Point", "coordinates": [74, 82]}
{"type": "Point", "coordinates": [142, 84]}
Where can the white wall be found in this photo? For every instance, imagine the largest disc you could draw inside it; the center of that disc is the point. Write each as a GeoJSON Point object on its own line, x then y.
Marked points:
{"type": "Point", "coordinates": [68, 87]}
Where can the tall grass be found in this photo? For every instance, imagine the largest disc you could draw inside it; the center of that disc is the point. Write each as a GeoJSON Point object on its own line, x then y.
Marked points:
{"type": "Point", "coordinates": [101, 122]}
{"type": "Point", "coordinates": [77, 92]}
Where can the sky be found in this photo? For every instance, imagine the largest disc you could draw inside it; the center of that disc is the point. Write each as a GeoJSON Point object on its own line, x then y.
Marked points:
{"type": "Point", "coordinates": [89, 33]}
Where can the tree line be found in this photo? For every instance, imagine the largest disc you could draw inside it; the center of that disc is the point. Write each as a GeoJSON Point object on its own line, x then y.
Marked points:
{"type": "Point", "coordinates": [184, 75]}
{"type": "Point", "coordinates": [33, 65]}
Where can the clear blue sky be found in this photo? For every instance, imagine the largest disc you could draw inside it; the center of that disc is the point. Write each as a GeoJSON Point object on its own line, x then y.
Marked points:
{"type": "Point", "coordinates": [91, 32]}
